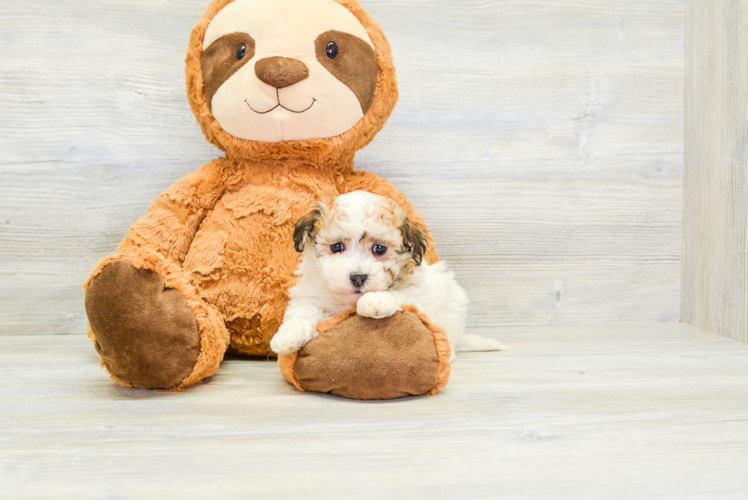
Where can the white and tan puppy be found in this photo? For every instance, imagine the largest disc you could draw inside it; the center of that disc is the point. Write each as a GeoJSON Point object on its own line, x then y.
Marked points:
{"type": "Point", "coordinates": [363, 251]}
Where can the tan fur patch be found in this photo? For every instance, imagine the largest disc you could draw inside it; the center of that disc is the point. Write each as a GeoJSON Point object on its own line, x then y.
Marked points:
{"type": "Point", "coordinates": [414, 239]}
{"type": "Point", "coordinates": [306, 228]}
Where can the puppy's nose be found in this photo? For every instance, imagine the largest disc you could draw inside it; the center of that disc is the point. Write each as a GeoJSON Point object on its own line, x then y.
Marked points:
{"type": "Point", "coordinates": [358, 280]}
{"type": "Point", "coordinates": [281, 72]}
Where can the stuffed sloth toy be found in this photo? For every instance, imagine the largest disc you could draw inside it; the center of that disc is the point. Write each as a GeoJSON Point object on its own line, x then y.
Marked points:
{"type": "Point", "coordinates": [289, 90]}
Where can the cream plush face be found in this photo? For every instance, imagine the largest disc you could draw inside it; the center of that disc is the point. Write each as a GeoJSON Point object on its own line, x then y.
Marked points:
{"type": "Point", "coordinates": [362, 243]}
{"type": "Point", "coordinates": [288, 70]}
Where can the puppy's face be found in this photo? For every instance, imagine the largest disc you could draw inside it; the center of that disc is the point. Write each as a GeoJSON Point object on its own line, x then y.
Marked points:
{"type": "Point", "coordinates": [362, 243]}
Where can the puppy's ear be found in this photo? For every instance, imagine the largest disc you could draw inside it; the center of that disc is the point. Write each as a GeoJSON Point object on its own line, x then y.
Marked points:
{"type": "Point", "coordinates": [305, 228]}
{"type": "Point", "coordinates": [414, 240]}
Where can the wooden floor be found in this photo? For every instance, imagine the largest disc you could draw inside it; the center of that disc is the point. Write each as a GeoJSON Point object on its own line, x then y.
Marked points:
{"type": "Point", "coordinates": [647, 411]}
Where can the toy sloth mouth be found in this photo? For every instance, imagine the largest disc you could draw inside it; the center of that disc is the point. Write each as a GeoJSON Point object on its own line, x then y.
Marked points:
{"type": "Point", "coordinates": [279, 105]}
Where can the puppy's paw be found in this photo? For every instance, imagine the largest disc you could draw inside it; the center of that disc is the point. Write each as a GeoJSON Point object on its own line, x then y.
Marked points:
{"type": "Point", "coordinates": [377, 305]}
{"type": "Point", "coordinates": [292, 336]}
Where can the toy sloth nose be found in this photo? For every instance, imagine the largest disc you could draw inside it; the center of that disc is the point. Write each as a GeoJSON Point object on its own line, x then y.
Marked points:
{"type": "Point", "coordinates": [281, 72]}
{"type": "Point", "coordinates": [358, 280]}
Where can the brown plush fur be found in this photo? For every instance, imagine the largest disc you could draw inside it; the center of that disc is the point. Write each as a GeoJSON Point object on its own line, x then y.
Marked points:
{"type": "Point", "coordinates": [222, 236]}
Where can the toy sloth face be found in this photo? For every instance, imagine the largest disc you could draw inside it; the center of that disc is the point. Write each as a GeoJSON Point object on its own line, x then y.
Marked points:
{"type": "Point", "coordinates": [288, 70]}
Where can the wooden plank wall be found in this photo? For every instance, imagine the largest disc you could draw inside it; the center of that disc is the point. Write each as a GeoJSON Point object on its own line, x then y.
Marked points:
{"type": "Point", "coordinates": [543, 140]}
{"type": "Point", "coordinates": [715, 205]}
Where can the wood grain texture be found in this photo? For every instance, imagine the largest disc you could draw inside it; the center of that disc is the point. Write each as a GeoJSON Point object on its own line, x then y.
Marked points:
{"type": "Point", "coordinates": [715, 204]}
{"type": "Point", "coordinates": [542, 140]}
{"type": "Point", "coordinates": [568, 413]}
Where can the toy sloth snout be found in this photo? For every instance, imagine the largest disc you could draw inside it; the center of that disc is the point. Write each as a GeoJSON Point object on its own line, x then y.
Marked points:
{"type": "Point", "coordinates": [281, 72]}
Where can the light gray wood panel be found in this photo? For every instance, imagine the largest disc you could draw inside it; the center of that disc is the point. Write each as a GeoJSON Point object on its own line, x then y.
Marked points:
{"type": "Point", "coordinates": [575, 412]}
{"type": "Point", "coordinates": [715, 205]}
{"type": "Point", "coordinates": [542, 140]}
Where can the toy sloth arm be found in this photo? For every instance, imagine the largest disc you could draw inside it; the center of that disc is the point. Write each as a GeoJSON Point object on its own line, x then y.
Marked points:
{"type": "Point", "coordinates": [366, 181]}
{"type": "Point", "coordinates": [175, 216]}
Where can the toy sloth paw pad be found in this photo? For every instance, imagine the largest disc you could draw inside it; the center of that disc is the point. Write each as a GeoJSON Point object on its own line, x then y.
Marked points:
{"type": "Point", "coordinates": [145, 333]}
{"type": "Point", "coordinates": [365, 358]}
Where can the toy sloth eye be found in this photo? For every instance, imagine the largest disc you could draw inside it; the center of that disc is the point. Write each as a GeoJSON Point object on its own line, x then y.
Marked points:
{"type": "Point", "coordinates": [241, 50]}
{"type": "Point", "coordinates": [337, 248]}
{"type": "Point", "coordinates": [332, 50]}
{"type": "Point", "coordinates": [379, 250]}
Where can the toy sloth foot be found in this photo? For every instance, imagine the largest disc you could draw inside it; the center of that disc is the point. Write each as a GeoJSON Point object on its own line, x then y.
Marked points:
{"type": "Point", "coordinates": [145, 333]}
{"type": "Point", "coordinates": [365, 358]}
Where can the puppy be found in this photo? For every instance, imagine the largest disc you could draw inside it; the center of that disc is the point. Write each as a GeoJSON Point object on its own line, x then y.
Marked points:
{"type": "Point", "coordinates": [363, 251]}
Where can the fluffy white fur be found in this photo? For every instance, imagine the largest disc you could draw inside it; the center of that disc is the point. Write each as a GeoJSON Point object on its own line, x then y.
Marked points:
{"type": "Point", "coordinates": [361, 221]}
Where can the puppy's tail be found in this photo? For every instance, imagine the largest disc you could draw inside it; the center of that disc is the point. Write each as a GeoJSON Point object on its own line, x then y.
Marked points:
{"type": "Point", "coordinates": [475, 343]}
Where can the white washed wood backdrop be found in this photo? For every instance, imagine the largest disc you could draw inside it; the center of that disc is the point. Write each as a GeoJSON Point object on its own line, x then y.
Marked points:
{"type": "Point", "coordinates": [542, 139]}
{"type": "Point", "coordinates": [715, 205]}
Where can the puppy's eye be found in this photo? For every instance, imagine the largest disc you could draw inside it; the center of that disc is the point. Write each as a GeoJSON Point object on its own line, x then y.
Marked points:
{"type": "Point", "coordinates": [379, 250]}
{"type": "Point", "coordinates": [337, 248]}
{"type": "Point", "coordinates": [332, 50]}
{"type": "Point", "coordinates": [241, 51]}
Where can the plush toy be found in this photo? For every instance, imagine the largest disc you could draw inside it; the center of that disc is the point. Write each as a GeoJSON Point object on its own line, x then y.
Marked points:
{"type": "Point", "coordinates": [289, 90]}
